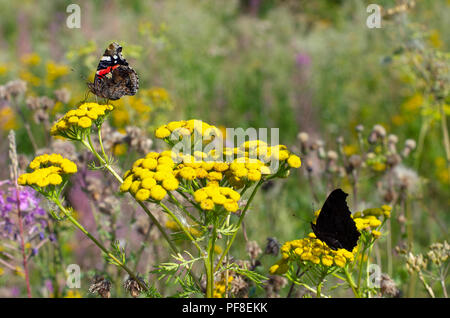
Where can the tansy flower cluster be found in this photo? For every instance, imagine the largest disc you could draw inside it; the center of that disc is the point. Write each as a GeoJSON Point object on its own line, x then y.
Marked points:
{"type": "Point", "coordinates": [212, 194]}
{"type": "Point", "coordinates": [368, 220]}
{"type": "Point", "coordinates": [313, 250]}
{"type": "Point", "coordinates": [202, 166]}
{"type": "Point", "coordinates": [193, 167]}
{"type": "Point", "coordinates": [183, 128]}
{"type": "Point", "coordinates": [151, 177]}
{"type": "Point", "coordinates": [48, 170]}
{"type": "Point", "coordinates": [75, 121]}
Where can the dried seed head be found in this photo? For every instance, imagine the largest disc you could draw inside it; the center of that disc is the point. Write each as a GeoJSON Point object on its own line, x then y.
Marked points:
{"type": "Point", "coordinates": [359, 128]}
{"type": "Point", "coordinates": [46, 102]}
{"type": "Point", "coordinates": [253, 249]}
{"type": "Point", "coordinates": [15, 88]}
{"type": "Point", "coordinates": [137, 139]}
{"type": "Point", "coordinates": [62, 95]}
{"type": "Point", "coordinates": [355, 161]}
{"type": "Point", "coordinates": [389, 196]}
{"type": "Point", "coordinates": [415, 263]}
{"type": "Point", "coordinates": [133, 287]}
{"type": "Point", "coordinates": [410, 145]}
{"type": "Point", "coordinates": [33, 103]}
{"type": "Point", "coordinates": [309, 165]}
{"type": "Point", "coordinates": [392, 142]}
{"type": "Point", "coordinates": [392, 139]}
{"type": "Point", "coordinates": [393, 160]}
{"type": "Point", "coordinates": [439, 253]}
{"type": "Point", "coordinates": [317, 144]}
{"type": "Point", "coordinates": [101, 286]}
{"type": "Point", "coordinates": [388, 287]}
{"type": "Point", "coordinates": [303, 137]}
{"type": "Point", "coordinates": [272, 246]}
{"type": "Point", "coordinates": [406, 178]}
{"type": "Point", "coordinates": [380, 131]}
{"type": "Point", "coordinates": [239, 287]}
{"type": "Point", "coordinates": [274, 285]}
{"type": "Point", "coordinates": [332, 155]}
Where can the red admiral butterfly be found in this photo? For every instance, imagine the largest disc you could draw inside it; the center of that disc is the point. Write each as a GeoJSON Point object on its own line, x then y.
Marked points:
{"type": "Point", "coordinates": [114, 77]}
{"type": "Point", "coordinates": [334, 224]}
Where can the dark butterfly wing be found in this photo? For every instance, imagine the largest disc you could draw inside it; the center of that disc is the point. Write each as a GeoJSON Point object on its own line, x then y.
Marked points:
{"type": "Point", "coordinates": [114, 77]}
{"type": "Point", "coordinates": [125, 80]}
{"type": "Point", "coordinates": [334, 224]}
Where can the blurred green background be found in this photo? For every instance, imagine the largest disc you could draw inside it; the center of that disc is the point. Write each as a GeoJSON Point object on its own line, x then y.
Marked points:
{"type": "Point", "coordinates": [311, 66]}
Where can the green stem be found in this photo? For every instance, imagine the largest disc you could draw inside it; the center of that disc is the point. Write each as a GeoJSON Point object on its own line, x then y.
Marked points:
{"type": "Point", "coordinates": [90, 147]}
{"type": "Point", "coordinates": [422, 134]}
{"type": "Point", "coordinates": [241, 218]}
{"type": "Point", "coordinates": [389, 247]}
{"type": "Point", "coordinates": [193, 218]}
{"type": "Point", "coordinates": [209, 288]}
{"type": "Point", "coordinates": [361, 263]}
{"type": "Point", "coordinates": [319, 289]}
{"type": "Point", "coordinates": [99, 132]}
{"type": "Point", "coordinates": [350, 282]}
{"type": "Point", "coordinates": [445, 135]}
{"type": "Point", "coordinates": [96, 242]}
{"type": "Point", "coordinates": [367, 265]}
{"type": "Point", "coordinates": [210, 263]}
{"type": "Point", "coordinates": [182, 227]}
{"type": "Point", "coordinates": [425, 284]}
{"type": "Point", "coordinates": [159, 226]}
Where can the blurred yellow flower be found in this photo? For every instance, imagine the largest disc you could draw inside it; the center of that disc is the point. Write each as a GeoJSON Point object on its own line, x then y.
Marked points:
{"type": "Point", "coordinates": [379, 166]}
{"type": "Point", "coordinates": [30, 78]}
{"type": "Point", "coordinates": [19, 272]}
{"type": "Point", "coordinates": [158, 95]}
{"type": "Point", "coordinates": [398, 120]}
{"type": "Point", "coordinates": [73, 294]}
{"type": "Point", "coordinates": [413, 103]}
{"type": "Point", "coordinates": [7, 119]}
{"type": "Point", "coordinates": [3, 68]}
{"type": "Point", "coordinates": [120, 149]}
{"type": "Point", "coordinates": [31, 59]}
{"type": "Point", "coordinates": [121, 117]}
{"type": "Point", "coordinates": [435, 39]}
{"type": "Point", "coordinates": [139, 105]}
{"type": "Point", "coordinates": [441, 170]}
{"type": "Point", "coordinates": [55, 71]}
{"type": "Point", "coordinates": [350, 150]}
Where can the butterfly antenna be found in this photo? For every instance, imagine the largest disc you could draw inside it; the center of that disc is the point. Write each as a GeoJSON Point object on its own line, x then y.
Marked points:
{"type": "Point", "coordinates": [299, 217]}
{"type": "Point", "coordinates": [81, 76]}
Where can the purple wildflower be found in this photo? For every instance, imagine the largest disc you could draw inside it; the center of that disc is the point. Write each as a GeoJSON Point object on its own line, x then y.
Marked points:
{"type": "Point", "coordinates": [35, 223]}
{"type": "Point", "coordinates": [303, 60]}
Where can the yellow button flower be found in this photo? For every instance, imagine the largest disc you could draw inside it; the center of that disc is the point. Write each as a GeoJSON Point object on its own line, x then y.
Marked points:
{"type": "Point", "coordinates": [85, 122]}
{"type": "Point", "coordinates": [158, 192]}
{"type": "Point", "coordinates": [142, 194]}
{"type": "Point", "coordinates": [294, 161]}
